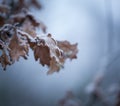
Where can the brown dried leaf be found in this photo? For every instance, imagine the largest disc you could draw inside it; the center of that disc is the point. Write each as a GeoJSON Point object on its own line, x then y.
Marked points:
{"type": "Point", "coordinates": [47, 52]}
{"type": "Point", "coordinates": [70, 50]}
{"type": "Point", "coordinates": [4, 60]}
{"type": "Point", "coordinates": [42, 53]}
{"type": "Point", "coordinates": [17, 50]}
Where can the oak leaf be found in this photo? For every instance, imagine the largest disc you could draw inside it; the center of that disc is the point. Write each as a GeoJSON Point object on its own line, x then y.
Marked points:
{"type": "Point", "coordinates": [17, 49]}
{"type": "Point", "coordinates": [47, 52]}
{"type": "Point", "coordinates": [70, 50]}
{"type": "Point", "coordinates": [42, 53]}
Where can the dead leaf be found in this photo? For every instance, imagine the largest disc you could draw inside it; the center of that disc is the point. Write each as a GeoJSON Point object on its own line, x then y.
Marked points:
{"type": "Point", "coordinates": [17, 50]}
{"type": "Point", "coordinates": [4, 60]}
{"type": "Point", "coordinates": [69, 50]}
{"type": "Point", "coordinates": [47, 52]}
{"type": "Point", "coordinates": [42, 53]}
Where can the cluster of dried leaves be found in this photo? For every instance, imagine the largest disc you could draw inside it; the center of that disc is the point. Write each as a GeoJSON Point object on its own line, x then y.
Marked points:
{"type": "Point", "coordinates": [18, 35]}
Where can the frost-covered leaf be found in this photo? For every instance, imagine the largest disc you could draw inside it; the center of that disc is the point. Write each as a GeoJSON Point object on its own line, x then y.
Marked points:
{"type": "Point", "coordinates": [47, 52]}
{"type": "Point", "coordinates": [17, 49]}
{"type": "Point", "coordinates": [14, 43]}
{"type": "Point", "coordinates": [70, 50]}
{"type": "Point", "coordinates": [42, 53]}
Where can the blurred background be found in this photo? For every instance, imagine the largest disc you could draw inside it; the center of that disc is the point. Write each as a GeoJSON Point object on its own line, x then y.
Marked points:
{"type": "Point", "coordinates": [95, 26]}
